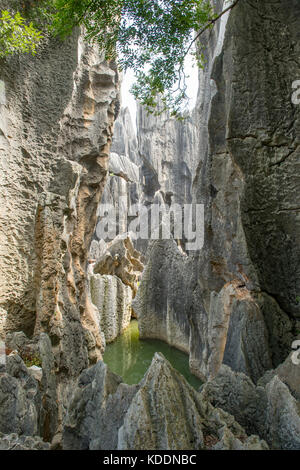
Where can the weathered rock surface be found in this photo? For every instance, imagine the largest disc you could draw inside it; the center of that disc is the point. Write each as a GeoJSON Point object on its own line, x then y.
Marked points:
{"type": "Point", "coordinates": [121, 259]}
{"type": "Point", "coordinates": [268, 410]}
{"type": "Point", "coordinates": [97, 410]}
{"type": "Point", "coordinates": [3, 315]}
{"type": "Point", "coordinates": [113, 301]}
{"type": "Point", "coordinates": [125, 141]}
{"type": "Point", "coordinates": [288, 373]}
{"type": "Point", "coordinates": [56, 121]}
{"type": "Point", "coordinates": [124, 183]}
{"type": "Point", "coordinates": [15, 442]}
{"type": "Point", "coordinates": [238, 305]}
{"type": "Point", "coordinates": [235, 303]}
{"type": "Point", "coordinates": [120, 165]}
{"type": "Point", "coordinates": [19, 399]}
{"type": "Point", "coordinates": [162, 412]}
{"type": "Point", "coordinates": [161, 304]}
{"type": "Point", "coordinates": [29, 403]}
{"type": "Point", "coordinates": [169, 151]}
{"type": "Point", "coordinates": [56, 127]}
{"type": "Point", "coordinates": [51, 410]}
{"type": "Point", "coordinates": [237, 334]}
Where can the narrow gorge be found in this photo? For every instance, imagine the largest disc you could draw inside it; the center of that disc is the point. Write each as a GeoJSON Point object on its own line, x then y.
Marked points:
{"type": "Point", "coordinates": [113, 337]}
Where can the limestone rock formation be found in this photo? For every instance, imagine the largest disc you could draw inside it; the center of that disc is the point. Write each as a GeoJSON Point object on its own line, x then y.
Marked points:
{"type": "Point", "coordinates": [161, 304]}
{"type": "Point", "coordinates": [125, 141]}
{"type": "Point", "coordinates": [113, 285]}
{"type": "Point", "coordinates": [19, 398]}
{"type": "Point", "coordinates": [288, 373]}
{"type": "Point", "coordinates": [169, 151]}
{"type": "Point", "coordinates": [124, 183]}
{"type": "Point", "coordinates": [15, 442]}
{"type": "Point", "coordinates": [268, 409]}
{"type": "Point", "coordinates": [56, 129]}
{"type": "Point", "coordinates": [162, 412]}
{"type": "Point", "coordinates": [239, 304]}
{"type": "Point", "coordinates": [97, 410]}
{"type": "Point", "coordinates": [29, 403]}
{"type": "Point", "coordinates": [113, 301]}
{"type": "Point", "coordinates": [66, 291]}
{"type": "Point", "coordinates": [121, 259]}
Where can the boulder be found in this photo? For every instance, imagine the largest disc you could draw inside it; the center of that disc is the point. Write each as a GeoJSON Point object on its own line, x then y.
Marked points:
{"type": "Point", "coordinates": [97, 410]}
{"type": "Point", "coordinates": [162, 412]}
{"type": "Point", "coordinates": [268, 409]}
{"type": "Point", "coordinates": [15, 442]}
{"type": "Point", "coordinates": [19, 399]}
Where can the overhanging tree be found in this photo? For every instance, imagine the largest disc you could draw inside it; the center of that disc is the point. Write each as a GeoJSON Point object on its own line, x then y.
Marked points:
{"type": "Point", "coordinates": [152, 37]}
{"type": "Point", "coordinates": [16, 35]}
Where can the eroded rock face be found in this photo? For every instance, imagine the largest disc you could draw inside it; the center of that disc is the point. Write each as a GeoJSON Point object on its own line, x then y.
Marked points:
{"type": "Point", "coordinates": [19, 399]}
{"type": "Point", "coordinates": [113, 284]}
{"type": "Point", "coordinates": [268, 409]}
{"type": "Point", "coordinates": [168, 149]}
{"type": "Point", "coordinates": [288, 373]}
{"type": "Point", "coordinates": [28, 403]}
{"type": "Point", "coordinates": [56, 127]}
{"type": "Point", "coordinates": [239, 302]}
{"type": "Point", "coordinates": [113, 301]}
{"type": "Point", "coordinates": [247, 228]}
{"type": "Point", "coordinates": [124, 182]}
{"type": "Point", "coordinates": [125, 141]}
{"type": "Point", "coordinates": [161, 304]}
{"type": "Point", "coordinates": [15, 442]}
{"type": "Point", "coordinates": [163, 412]}
{"type": "Point", "coordinates": [121, 259]}
{"type": "Point", "coordinates": [97, 410]}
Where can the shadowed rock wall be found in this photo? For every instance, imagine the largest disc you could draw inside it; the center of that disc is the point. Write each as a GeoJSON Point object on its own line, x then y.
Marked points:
{"type": "Point", "coordinates": [56, 121]}
{"type": "Point", "coordinates": [240, 303]}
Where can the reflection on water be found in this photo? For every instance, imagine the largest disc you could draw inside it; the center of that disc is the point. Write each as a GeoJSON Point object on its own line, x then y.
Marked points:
{"type": "Point", "coordinates": [130, 357]}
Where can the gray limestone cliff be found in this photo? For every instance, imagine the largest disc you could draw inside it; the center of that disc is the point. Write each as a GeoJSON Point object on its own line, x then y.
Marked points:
{"type": "Point", "coordinates": [235, 301]}
{"type": "Point", "coordinates": [56, 127]}
{"type": "Point", "coordinates": [162, 412]}
{"type": "Point", "coordinates": [57, 113]}
{"type": "Point", "coordinates": [269, 409]}
{"type": "Point", "coordinates": [65, 291]}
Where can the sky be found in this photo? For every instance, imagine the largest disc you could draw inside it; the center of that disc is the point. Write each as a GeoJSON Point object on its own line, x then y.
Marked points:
{"type": "Point", "coordinates": [192, 90]}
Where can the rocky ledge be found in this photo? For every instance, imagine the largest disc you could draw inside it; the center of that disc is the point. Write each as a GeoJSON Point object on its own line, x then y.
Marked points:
{"type": "Point", "coordinates": [162, 412]}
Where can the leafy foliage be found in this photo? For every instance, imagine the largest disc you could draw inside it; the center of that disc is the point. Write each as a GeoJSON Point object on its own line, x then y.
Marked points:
{"type": "Point", "coordinates": [149, 36]}
{"type": "Point", "coordinates": [152, 37]}
{"type": "Point", "coordinates": [32, 360]}
{"type": "Point", "coordinates": [16, 35]}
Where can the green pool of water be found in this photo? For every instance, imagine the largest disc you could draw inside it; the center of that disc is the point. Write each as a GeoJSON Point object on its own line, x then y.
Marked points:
{"type": "Point", "coordinates": [130, 357]}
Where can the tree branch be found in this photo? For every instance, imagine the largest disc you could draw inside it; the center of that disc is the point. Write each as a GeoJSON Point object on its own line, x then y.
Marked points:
{"type": "Point", "coordinates": [211, 22]}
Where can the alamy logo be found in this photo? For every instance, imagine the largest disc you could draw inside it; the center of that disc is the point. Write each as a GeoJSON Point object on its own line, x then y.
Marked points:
{"type": "Point", "coordinates": [296, 93]}
{"type": "Point", "coordinates": [157, 222]}
{"type": "Point", "coordinates": [296, 353]}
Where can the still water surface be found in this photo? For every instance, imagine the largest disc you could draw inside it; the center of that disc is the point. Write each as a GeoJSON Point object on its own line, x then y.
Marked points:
{"type": "Point", "coordinates": [130, 357]}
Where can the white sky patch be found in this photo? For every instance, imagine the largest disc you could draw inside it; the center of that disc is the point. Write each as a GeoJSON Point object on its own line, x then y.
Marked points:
{"type": "Point", "coordinates": [191, 70]}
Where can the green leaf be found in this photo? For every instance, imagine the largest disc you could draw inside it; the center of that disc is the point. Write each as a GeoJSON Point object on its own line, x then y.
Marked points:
{"type": "Point", "coordinates": [16, 36]}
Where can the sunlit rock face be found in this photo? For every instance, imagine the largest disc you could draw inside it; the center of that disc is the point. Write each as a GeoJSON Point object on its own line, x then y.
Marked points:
{"type": "Point", "coordinates": [233, 306]}
{"type": "Point", "coordinates": [56, 118]}
{"type": "Point", "coordinates": [246, 177]}
{"type": "Point", "coordinates": [113, 301]}
{"type": "Point", "coordinates": [269, 409]}
{"type": "Point", "coordinates": [29, 401]}
{"type": "Point", "coordinates": [123, 187]}
{"type": "Point", "coordinates": [56, 131]}
{"type": "Point", "coordinates": [162, 412]}
{"type": "Point", "coordinates": [169, 152]}
{"type": "Point", "coordinates": [113, 285]}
